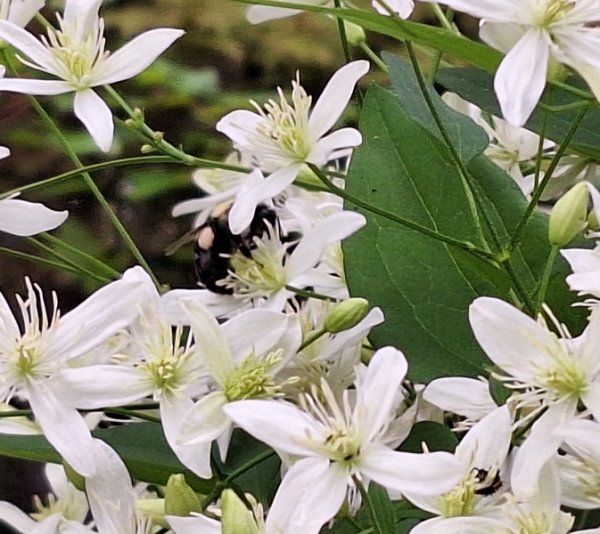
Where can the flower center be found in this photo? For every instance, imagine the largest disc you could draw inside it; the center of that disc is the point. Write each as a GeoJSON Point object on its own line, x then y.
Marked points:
{"type": "Point", "coordinates": [554, 11]}
{"type": "Point", "coordinates": [287, 124]}
{"type": "Point", "coordinates": [587, 477]}
{"type": "Point", "coordinates": [565, 378]}
{"type": "Point", "coordinates": [461, 500]}
{"type": "Point", "coordinates": [77, 51]}
{"type": "Point", "coordinates": [342, 446]}
{"type": "Point", "coordinates": [261, 274]}
{"type": "Point", "coordinates": [27, 360]}
{"type": "Point", "coordinates": [253, 379]}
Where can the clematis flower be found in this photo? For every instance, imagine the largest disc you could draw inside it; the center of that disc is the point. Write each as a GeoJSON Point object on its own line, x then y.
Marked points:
{"type": "Point", "coordinates": [334, 444]}
{"type": "Point", "coordinates": [258, 14]}
{"type": "Point", "coordinates": [22, 218]}
{"type": "Point", "coordinates": [75, 53]}
{"type": "Point", "coordinates": [534, 32]}
{"type": "Point", "coordinates": [552, 374]}
{"type": "Point", "coordinates": [283, 136]}
{"type": "Point", "coordinates": [31, 356]}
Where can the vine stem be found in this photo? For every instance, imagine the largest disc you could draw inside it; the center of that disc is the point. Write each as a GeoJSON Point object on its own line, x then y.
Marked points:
{"type": "Point", "coordinates": [535, 198]}
{"type": "Point", "coordinates": [543, 288]}
{"type": "Point", "coordinates": [343, 36]}
{"type": "Point", "coordinates": [469, 247]}
{"type": "Point", "coordinates": [366, 497]}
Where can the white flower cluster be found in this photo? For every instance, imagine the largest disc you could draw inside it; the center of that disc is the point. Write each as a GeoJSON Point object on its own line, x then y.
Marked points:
{"type": "Point", "coordinates": [274, 345]}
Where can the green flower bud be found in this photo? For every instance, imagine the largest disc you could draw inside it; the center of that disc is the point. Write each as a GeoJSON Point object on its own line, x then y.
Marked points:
{"type": "Point", "coordinates": [569, 215]}
{"type": "Point", "coordinates": [236, 518]}
{"type": "Point", "coordinates": [180, 498]}
{"type": "Point", "coordinates": [74, 477]}
{"type": "Point", "coordinates": [354, 33]}
{"type": "Point", "coordinates": [154, 509]}
{"type": "Point", "coordinates": [346, 315]}
{"type": "Point", "coordinates": [556, 71]}
{"type": "Point", "coordinates": [592, 221]}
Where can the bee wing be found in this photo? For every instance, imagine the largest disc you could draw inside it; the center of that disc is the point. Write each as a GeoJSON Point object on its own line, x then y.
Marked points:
{"type": "Point", "coordinates": [183, 240]}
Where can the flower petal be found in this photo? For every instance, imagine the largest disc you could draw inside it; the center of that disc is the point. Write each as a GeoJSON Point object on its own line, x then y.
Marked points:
{"type": "Point", "coordinates": [426, 473]}
{"type": "Point", "coordinates": [22, 218]}
{"type": "Point", "coordinates": [28, 45]}
{"type": "Point", "coordinates": [335, 97]}
{"type": "Point", "coordinates": [136, 56]}
{"type": "Point", "coordinates": [310, 494]}
{"type": "Point", "coordinates": [464, 396]}
{"type": "Point", "coordinates": [338, 140]}
{"type": "Point", "coordinates": [96, 117]}
{"type": "Point", "coordinates": [205, 421]}
{"type": "Point", "coordinates": [35, 87]}
{"type": "Point", "coordinates": [519, 94]}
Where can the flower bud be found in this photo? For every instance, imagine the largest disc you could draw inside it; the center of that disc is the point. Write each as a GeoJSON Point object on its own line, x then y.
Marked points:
{"type": "Point", "coordinates": [236, 518]}
{"type": "Point", "coordinates": [180, 498]}
{"type": "Point", "coordinates": [556, 71]}
{"type": "Point", "coordinates": [346, 314]}
{"type": "Point", "coordinates": [569, 215]}
{"type": "Point", "coordinates": [354, 33]}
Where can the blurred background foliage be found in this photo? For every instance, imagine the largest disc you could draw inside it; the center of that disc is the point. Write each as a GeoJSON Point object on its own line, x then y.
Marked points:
{"type": "Point", "coordinates": [217, 66]}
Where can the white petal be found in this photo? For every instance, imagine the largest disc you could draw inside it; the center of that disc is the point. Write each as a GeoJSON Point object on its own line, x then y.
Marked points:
{"type": "Point", "coordinates": [64, 428]}
{"type": "Point", "coordinates": [378, 389]}
{"type": "Point", "coordinates": [136, 56]}
{"type": "Point", "coordinates": [502, 36]}
{"type": "Point", "coordinates": [14, 517]}
{"type": "Point", "coordinates": [101, 385]}
{"type": "Point", "coordinates": [591, 399]}
{"type": "Point", "coordinates": [521, 77]}
{"type": "Point", "coordinates": [581, 259]}
{"type": "Point", "coordinates": [20, 13]}
{"type": "Point", "coordinates": [486, 445]}
{"type": "Point", "coordinates": [173, 412]}
{"type": "Point", "coordinates": [81, 14]}
{"type": "Point", "coordinates": [4, 152]}
{"type": "Point", "coordinates": [463, 396]}
{"type": "Point", "coordinates": [35, 87]}
{"type": "Point", "coordinates": [210, 341]}
{"type": "Point", "coordinates": [496, 10]}
{"type": "Point", "coordinates": [310, 494]}
{"type": "Point", "coordinates": [240, 126]}
{"type": "Point", "coordinates": [511, 339]}
{"type": "Point", "coordinates": [335, 97]}
{"type": "Point", "coordinates": [258, 14]}
{"type": "Point", "coordinates": [104, 313]}
{"type": "Point", "coordinates": [27, 44]}
{"type": "Point", "coordinates": [257, 331]}
{"type": "Point", "coordinates": [96, 116]}
{"type": "Point", "coordinates": [310, 249]}
{"type": "Point", "coordinates": [539, 447]}
{"type": "Point", "coordinates": [279, 424]}
{"type": "Point", "coordinates": [194, 525]}
{"type": "Point", "coordinates": [340, 139]}
{"type": "Point", "coordinates": [426, 473]}
{"type": "Point", "coordinates": [23, 218]}
{"type": "Point", "coordinates": [216, 303]}
{"type": "Point", "coordinates": [205, 421]}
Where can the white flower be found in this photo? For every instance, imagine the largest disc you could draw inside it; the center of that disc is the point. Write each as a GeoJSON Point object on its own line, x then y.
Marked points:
{"type": "Point", "coordinates": [335, 444]}
{"type": "Point", "coordinates": [482, 454]}
{"type": "Point", "coordinates": [75, 53]}
{"type": "Point", "coordinates": [23, 218]}
{"type": "Point", "coordinates": [533, 32]}
{"type": "Point", "coordinates": [284, 136]}
{"type": "Point", "coordinates": [243, 357]}
{"type": "Point", "coordinates": [554, 374]}
{"type": "Point", "coordinates": [31, 356]}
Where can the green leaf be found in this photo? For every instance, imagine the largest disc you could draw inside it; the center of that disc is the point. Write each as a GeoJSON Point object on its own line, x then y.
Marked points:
{"type": "Point", "coordinates": [437, 438]}
{"type": "Point", "coordinates": [476, 86]}
{"type": "Point", "coordinates": [475, 53]}
{"type": "Point", "coordinates": [469, 139]}
{"type": "Point", "coordinates": [381, 508]}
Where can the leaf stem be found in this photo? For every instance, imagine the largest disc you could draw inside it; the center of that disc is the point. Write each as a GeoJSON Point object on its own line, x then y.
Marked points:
{"type": "Point", "coordinates": [543, 287]}
{"type": "Point", "coordinates": [367, 498]}
{"type": "Point", "coordinates": [343, 37]}
{"type": "Point", "coordinates": [547, 176]}
{"type": "Point", "coordinates": [374, 57]}
{"type": "Point", "coordinates": [309, 294]}
{"type": "Point", "coordinates": [36, 259]}
{"type": "Point", "coordinates": [469, 247]}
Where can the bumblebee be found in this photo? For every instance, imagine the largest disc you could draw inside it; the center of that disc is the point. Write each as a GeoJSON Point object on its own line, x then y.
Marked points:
{"type": "Point", "coordinates": [214, 244]}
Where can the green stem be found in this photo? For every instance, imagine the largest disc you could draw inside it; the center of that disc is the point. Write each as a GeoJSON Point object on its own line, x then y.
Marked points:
{"type": "Point", "coordinates": [309, 294]}
{"type": "Point", "coordinates": [138, 160]}
{"type": "Point", "coordinates": [444, 20]}
{"type": "Point", "coordinates": [374, 57]}
{"type": "Point", "coordinates": [519, 289]}
{"type": "Point", "coordinates": [67, 261]}
{"type": "Point", "coordinates": [127, 239]}
{"type": "Point", "coordinates": [36, 259]}
{"type": "Point", "coordinates": [111, 273]}
{"type": "Point", "coordinates": [366, 498]}
{"type": "Point", "coordinates": [343, 36]}
{"type": "Point", "coordinates": [542, 139]}
{"type": "Point", "coordinates": [543, 288]}
{"type": "Point", "coordinates": [551, 168]}
{"type": "Point", "coordinates": [465, 176]}
{"type": "Point", "coordinates": [132, 413]}
{"type": "Point", "coordinates": [258, 459]}
{"type": "Point", "coordinates": [311, 339]}
{"type": "Point", "coordinates": [469, 247]}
